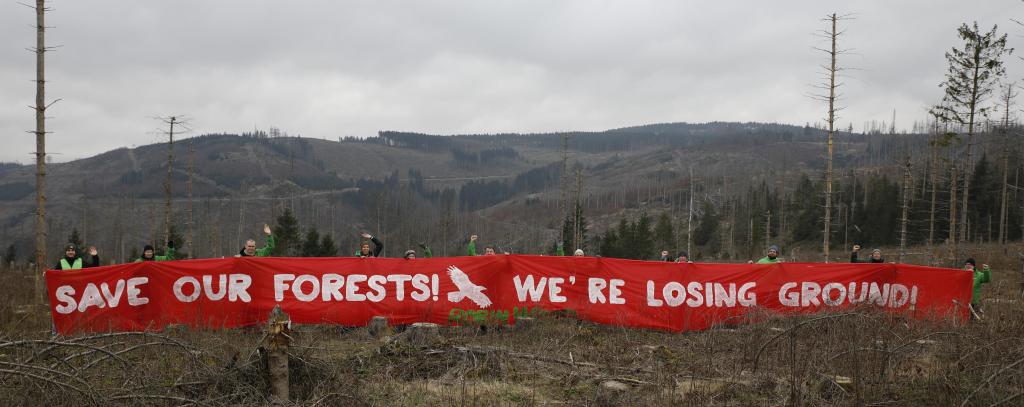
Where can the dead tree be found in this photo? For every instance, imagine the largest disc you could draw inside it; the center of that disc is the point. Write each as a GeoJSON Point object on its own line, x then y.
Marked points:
{"type": "Point", "coordinates": [170, 121]}
{"type": "Point", "coordinates": [689, 217]}
{"type": "Point", "coordinates": [40, 108]}
{"type": "Point", "coordinates": [933, 169]}
{"type": "Point", "coordinates": [1008, 96]}
{"type": "Point", "coordinates": [906, 210]}
{"type": "Point", "coordinates": [188, 191]}
{"type": "Point", "coordinates": [577, 212]}
{"type": "Point", "coordinates": [563, 203]}
{"type": "Point", "coordinates": [829, 85]}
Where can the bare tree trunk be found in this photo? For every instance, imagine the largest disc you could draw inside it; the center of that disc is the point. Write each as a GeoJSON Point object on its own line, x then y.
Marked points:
{"type": "Point", "coordinates": [689, 218]}
{"type": "Point", "coordinates": [967, 163]}
{"type": "Point", "coordinates": [40, 151]}
{"type": "Point", "coordinates": [577, 236]}
{"type": "Point", "coordinates": [1007, 99]}
{"type": "Point", "coordinates": [933, 175]}
{"type": "Point", "coordinates": [952, 210]}
{"type": "Point", "coordinates": [831, 130]}
{"type": "Point", "coordinates": [906, 209]}
{"type": "Point", "coordinates": [188, 188]}
{"type": "Point", "coordinates": [167, 182]}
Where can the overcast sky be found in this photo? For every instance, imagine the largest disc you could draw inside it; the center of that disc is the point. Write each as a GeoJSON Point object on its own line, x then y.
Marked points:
{"type": "Point", "coordinates": [327, 69]}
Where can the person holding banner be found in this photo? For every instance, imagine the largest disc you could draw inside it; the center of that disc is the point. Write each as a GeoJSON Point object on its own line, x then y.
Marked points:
{"type": "Point", "coordinates": [250, 246]}
{"type": "Point", "coordinates": [364, 249]}
{"type": "Point", "coordinates": [471, 247]}
{"type": "Point", "coordinates": [772, 257]}
{"type": "Point", "coordinates": [683, 257]}
{"type": "Point", "coordinates": [876, 256]}
{"type": "Point", "coordinates": [980, 277]}
{"type": "Point", "coordinates": [411, 254]}
{"type": "Point", "coordinates": [71, 260]}
{"type": "Point", "coordinates": [148, 254]}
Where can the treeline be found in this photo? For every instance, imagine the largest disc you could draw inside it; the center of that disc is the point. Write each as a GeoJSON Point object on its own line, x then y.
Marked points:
{"type": "Point", "coordinates": [664, 134]}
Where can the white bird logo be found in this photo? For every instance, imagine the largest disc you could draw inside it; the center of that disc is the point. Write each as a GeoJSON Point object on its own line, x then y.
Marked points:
{"type": "Point", "coordinates": [466, 288]}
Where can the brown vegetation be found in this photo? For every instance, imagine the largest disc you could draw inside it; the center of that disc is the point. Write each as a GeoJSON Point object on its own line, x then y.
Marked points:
{"type": "Point", "coordinates": [855, 357]}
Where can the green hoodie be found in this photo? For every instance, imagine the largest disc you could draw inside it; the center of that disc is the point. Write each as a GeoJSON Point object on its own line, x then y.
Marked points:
{"type": "Point", "coordinates": [262, 252]}
{"type": "Point", "coordinates": [168, 255]}
{"type": "Point", "coordinates": [980, 277]}
{"type": "Point", "coordinates": [766, 260]}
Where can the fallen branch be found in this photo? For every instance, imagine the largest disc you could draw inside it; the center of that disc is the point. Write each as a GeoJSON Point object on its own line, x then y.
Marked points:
{"type": "Point", "coordinates": [51, 381]}
{"type": "Point", "coordinates": [989, 380]}
{"type": "Point", "coordinates": [757, 357]}
{"type": "Point", "coordinates": [158, 397]}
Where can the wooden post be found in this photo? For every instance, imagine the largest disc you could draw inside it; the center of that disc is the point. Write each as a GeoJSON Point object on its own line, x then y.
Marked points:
{"type": "Point", "coordinates": [378, 327]}
{"type": "Point", "coordinates": [278, 339]}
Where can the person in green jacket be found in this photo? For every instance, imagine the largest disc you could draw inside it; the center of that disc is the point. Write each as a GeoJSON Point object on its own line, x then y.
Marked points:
{"type": "Point", "coordinates": [980, 277]}
{"type": "Point", "coordinates": [149, 254]}
{"type": "Point", "coordinates": [772, 257]}
{"type": "Point", "coordinates": [250, 246]}
{"type": "Point", "coordinates": [411, 254]}
{"type": "Point", "coordinates": [471, 248]}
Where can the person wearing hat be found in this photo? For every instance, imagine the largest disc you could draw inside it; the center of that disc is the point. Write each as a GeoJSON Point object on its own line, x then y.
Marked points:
{"type": "Point", "coordinates": [980, 277]}
{"type": "Point", "coordinates": [578, 253]}
{"type": "Point", "coordinates": [411, 254]}
{"type": "Point", "coordinates": [250, 246]}
{"type": "Point", "coordinates": [71, 260]}
{"type": "Point", "coordinates": [683, 257]}
{"type": "Point", "coordinates": [876, 256]}
{"type": "Point", "coordinates": [664, 256]}
{"type": "Point", "coordinates": [149, 254]}
{"type": "Point", "coordinates": [364, 249]}
{"type": "Point", "coordinates": [772, 257]}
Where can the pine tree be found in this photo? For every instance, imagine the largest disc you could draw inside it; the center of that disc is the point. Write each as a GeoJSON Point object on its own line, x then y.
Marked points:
{"type": "Point", "coordinates": [707, 226]}
{"type": "Point", "coordinates": [327, 246]}
{"type": "Point", "coordinates": [75, 238]}
{"type": "Point", "coordinates": [286, 235]}
{"type": "Point", "coordinates": [642, 245]}
{"type": "Point", "coordinates": [10, 256]}
{"type": "Point", "coordinates": [311, 244]}
{"type": "Point", "coordinates": [973, 72]}
{"type": "Point", "coordinates": [664, 236]}
{"type": "Point", "coordinates": [177, 238]}
{"type": "Point", "coordinates": [569, 231]}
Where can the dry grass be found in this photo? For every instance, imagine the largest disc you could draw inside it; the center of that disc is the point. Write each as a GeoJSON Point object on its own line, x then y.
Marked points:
{"type": "Point", "coordinates": [857, 357]}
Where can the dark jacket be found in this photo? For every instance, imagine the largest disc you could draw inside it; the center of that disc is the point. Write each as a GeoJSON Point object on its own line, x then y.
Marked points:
{"type": "Point", "coordinates": [854, 259]}
{"type": "Point", "coordinates": [377, 247]}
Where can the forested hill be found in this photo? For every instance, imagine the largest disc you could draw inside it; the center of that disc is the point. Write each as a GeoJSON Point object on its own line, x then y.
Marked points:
{"type": "Point", "coordinates": [411, 187]}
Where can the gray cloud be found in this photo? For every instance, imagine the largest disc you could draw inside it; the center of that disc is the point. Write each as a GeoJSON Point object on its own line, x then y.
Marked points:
{"type": "Point", "coordinates": [330, 69]}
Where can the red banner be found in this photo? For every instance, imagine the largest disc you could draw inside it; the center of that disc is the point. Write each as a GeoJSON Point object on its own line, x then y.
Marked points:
{"type": "Point", "coordinates": [234, 292]}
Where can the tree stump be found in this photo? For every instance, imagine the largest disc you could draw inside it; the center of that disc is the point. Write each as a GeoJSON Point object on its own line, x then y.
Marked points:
{"type": "Point", "coordinates": [378, 327]}
{"type": "Point", "coordinates": [423, 334]}
{"type": "Point", "coordinates": [278, 328]}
